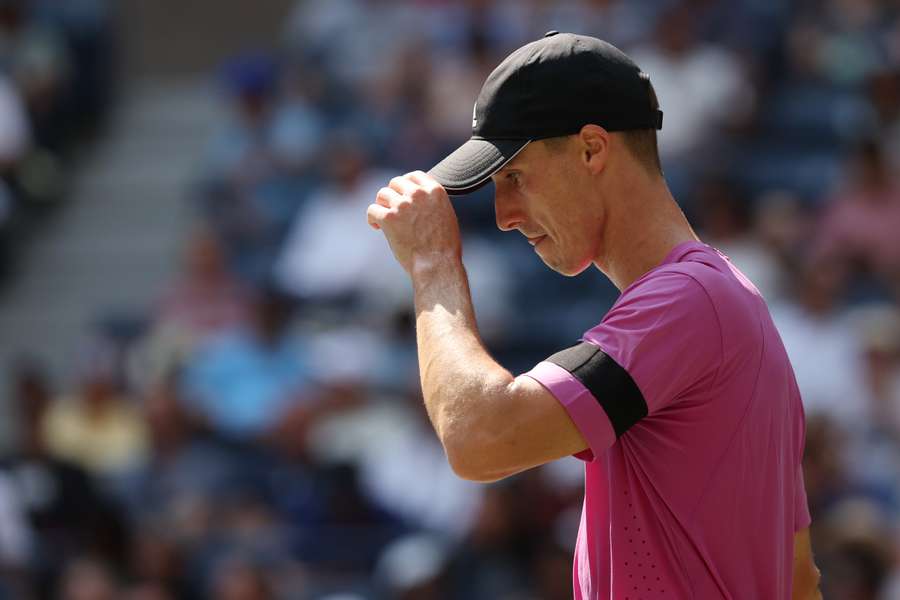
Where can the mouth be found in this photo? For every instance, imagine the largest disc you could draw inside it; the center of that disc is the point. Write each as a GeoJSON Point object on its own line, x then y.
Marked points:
{"type": "Point", "coordinates": [534, 241]}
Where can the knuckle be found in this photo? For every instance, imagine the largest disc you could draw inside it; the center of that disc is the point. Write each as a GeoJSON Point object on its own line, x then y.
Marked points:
{"type": "Point", "coordinates": [384, 194]}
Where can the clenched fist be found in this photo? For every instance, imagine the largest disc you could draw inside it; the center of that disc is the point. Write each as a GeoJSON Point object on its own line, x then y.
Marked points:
{"type": "Point", "coordinates": [416, 216]}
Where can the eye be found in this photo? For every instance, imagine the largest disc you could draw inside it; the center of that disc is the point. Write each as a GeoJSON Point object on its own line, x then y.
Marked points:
{"type": "Point", "coordinates": [513, 177]}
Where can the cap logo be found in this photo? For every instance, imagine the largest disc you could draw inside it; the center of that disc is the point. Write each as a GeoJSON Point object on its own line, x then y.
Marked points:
{"type": "Point", "coordinates": [474, 115]}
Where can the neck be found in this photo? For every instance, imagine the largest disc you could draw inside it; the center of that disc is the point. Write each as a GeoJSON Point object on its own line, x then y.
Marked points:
{"type": "Point", "coordinates": [639, 235]}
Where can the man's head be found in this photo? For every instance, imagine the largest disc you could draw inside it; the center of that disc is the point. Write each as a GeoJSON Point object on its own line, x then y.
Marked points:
{"type": "Point", "coordinates": [563, 126]}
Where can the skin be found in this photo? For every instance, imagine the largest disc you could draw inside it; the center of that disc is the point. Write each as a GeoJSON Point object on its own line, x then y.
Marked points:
{"type": "Point", "coordinates": [586, 202]}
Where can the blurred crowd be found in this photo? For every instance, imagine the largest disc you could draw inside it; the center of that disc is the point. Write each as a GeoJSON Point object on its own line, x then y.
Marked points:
{"type": "Point", "coordinates": [55, 89]}
{"type": "Point", "coordinates": [260, 434]}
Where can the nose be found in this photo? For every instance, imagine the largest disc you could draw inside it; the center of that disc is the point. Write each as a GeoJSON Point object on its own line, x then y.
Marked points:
{"type": "Point", "coordinates": [507, 210]}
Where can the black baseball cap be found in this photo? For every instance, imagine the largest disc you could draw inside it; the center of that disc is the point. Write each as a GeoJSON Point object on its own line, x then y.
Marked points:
{"type": "Point", "coordinates": [548, 88]}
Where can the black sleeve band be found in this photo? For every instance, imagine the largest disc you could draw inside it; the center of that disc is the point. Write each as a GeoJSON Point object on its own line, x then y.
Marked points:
{"type": "Point", "coordinates": [609, 383]}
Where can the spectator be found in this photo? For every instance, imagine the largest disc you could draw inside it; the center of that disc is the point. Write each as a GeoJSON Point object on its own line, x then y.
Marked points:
{"type": "Point", "coordinates": [330, 254]}
{"type": "Point", "coordinates": [297, 125]}
{"type": "Point", "coordinates": [784, 226]}
{"type": "Point", "coordinates": [206, 300]}
{"type": "Point", "coordinates": [183, 473]}
{"type": "Point", "coordinates": [243, 382]}
{"type": "Point", "coordinates": [240, 580]}
{"type": "Point", "coordinates": [727, 221]}
{"type": "Point", "coordinates": [623, 24]}
{"type": "Point", "coordinates": [825, 470]}
{"type": "Point", "coordinates": [840, 42]}
{"type": "Point", "coordinates": [244, 193]}
{"type": "Point", "coordinates": [157, 563]}
{"type": "Point", "coordinates": [405, 471]}
{"type": "Point", "coordinates": [721, 94]}
{"type": "Point", "coordinates": [238, 152]}
{"type": "Point", "coordinates": [66, 512]}
{"type": "Point", "coordinates": [88, 579]}
{"type": "Point", "coordinates": [490, 563]}
{"type": "Point", "coordinates": [96, 427]}
{"type": "Point", "coordinates": [879, 327]}
{"type": "Point", "coordinates": [822, 345]}
{"type": "Point", "coordinates": [342, 33]}
{"type": "Point", "coordinates": [874, 447]}
{"type": "Point", "coordinates": [861, 221]}
{"type": "Point", "coordinates": [415, 568]}
{"type": "Point", "coordinates": [854, 552]}
{"type": "Point", "coordinates": [455, 79]}
{"type": "Point", "coordinates": [883, 92]}
{"type": "Point", "coordinates": [15, 129]}
{"type": "Point", "coordinates": [16, 540]}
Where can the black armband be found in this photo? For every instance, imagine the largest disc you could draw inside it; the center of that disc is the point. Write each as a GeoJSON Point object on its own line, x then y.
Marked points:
{"type": "Point", "coordinates": [607, 381]}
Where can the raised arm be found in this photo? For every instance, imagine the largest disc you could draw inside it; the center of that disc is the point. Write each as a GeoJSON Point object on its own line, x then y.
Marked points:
{"type": "Point", "coordinates": [806, 575]}
{"type": "Point", "coordinates": [490, 424]}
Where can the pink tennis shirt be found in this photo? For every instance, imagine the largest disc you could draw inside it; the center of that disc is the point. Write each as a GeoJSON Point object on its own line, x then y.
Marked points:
{"type": "Point", "coordinates": [701, 497]}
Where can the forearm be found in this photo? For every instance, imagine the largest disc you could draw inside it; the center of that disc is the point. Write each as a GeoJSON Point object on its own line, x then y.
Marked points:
{"type": "Point", "coordinates": [458, 375]}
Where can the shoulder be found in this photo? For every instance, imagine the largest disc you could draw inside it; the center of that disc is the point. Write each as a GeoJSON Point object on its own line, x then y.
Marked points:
{"type": "Point", "coordinates": [681, 286]}
{"type": "Point", "coordinates": [709, 275]}
{"type": "Point", "coordinates": [667, 305]}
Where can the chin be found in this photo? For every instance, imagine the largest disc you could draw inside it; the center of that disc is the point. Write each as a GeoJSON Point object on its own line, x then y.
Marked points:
{"type": "Point", "coordinates": [567, 269]}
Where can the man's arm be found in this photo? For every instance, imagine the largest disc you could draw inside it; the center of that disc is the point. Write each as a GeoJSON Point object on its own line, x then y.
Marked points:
{"type": "Point", "coordinates": [490, 424]}
{"type": "Point", "coordinates": [806, 575]}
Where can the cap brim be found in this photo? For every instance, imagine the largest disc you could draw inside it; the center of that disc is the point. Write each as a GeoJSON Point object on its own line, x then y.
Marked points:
{"type": "Point", "coordinates": [470, 166]}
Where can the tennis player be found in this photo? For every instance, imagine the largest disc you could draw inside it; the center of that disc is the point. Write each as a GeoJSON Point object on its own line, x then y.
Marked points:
{"type": "Point", "coordinates": [681, 401]}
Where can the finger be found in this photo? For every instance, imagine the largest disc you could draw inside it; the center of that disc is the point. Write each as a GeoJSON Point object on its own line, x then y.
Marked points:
{"type": "Point", "coordinates": [388, 198]}
{"type": "Point", "coordinates": [424, 179]}
{"type": "Point", "coordinates": [375, 214]}
{"type": "Point", "coordinates": [403, 184]}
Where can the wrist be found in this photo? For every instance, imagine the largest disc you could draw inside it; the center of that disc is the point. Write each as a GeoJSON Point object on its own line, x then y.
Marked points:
{"type": "Point", "coordinates": [433, 264]}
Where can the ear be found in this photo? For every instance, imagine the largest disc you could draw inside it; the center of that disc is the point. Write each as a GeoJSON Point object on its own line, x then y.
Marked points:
{"type": "Point", "coordinates": [594, 147]}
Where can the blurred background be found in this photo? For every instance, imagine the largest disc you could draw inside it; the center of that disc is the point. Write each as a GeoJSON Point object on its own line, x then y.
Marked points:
{"type": "Point", "coordinates": [209, 386]}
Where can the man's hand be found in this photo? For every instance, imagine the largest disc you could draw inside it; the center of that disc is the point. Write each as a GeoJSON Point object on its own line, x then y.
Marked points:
{"type": "Point", "coordinates": [416, 216]}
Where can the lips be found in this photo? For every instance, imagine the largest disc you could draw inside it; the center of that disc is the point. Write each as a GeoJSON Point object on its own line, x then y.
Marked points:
{"type": "Point", "coordinates": [534, 241]}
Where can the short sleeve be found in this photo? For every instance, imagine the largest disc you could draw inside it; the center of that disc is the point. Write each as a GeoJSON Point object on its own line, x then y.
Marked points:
{"type": "Point", "coordinates": [661, 337]}
{"type": "Point", "coordinates": [584, 410]}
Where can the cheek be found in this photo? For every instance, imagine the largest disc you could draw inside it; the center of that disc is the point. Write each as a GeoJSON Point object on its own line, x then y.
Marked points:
{"type": "Point", "coordinates": [577, 241]}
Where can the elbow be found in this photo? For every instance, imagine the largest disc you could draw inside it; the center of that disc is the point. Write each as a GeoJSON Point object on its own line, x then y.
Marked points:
{"type": "Point", "coordinates": [475, 438]}
{"type": "Point", "coordinates": [471, 460]}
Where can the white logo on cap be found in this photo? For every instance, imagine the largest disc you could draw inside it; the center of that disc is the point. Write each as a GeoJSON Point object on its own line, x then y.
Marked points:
{"type": "Point", "coordinates": [474, 115]}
